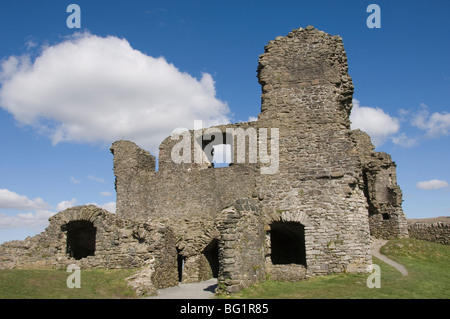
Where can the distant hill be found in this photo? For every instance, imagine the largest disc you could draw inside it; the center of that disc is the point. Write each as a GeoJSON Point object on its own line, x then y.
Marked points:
{"type": "Point", "coordinates": [445, 219]}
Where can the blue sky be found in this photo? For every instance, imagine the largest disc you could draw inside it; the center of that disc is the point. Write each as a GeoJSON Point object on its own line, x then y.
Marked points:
{"type": "Point", "coordinates": [67, 94]}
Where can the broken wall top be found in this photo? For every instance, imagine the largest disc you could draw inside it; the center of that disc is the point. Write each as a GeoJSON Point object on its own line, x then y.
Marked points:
{"type": "Point", "coordinates": [308, 65]}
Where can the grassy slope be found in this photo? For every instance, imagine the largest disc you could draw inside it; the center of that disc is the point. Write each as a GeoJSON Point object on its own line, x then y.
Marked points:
{"type": "Point", "coordinates": [428, 277]}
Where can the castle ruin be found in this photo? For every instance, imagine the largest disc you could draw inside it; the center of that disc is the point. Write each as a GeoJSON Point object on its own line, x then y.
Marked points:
{"type": "Point", "coordinates": [313, 215]}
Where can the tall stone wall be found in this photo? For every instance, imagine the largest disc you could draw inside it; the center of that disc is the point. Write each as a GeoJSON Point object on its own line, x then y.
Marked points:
{"type": "Point", "coordinates": [241, 246]}
{"type": "Point", "coordinates": [186, 196]}
{"type": "Point", "coordinates": [384, 196]}
{"type": "Point", "coordinates": [307, 93]}
{"type": "Point", "coordinates": [175, 190]}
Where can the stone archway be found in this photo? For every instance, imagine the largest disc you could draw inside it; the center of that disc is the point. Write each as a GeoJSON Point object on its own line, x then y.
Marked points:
{"type": "Point", "coordinates": [82, 229]}
{"type": "Point", "coordinates": [286, 238]}
{"type": "Point", "coordinates": [211, 253]}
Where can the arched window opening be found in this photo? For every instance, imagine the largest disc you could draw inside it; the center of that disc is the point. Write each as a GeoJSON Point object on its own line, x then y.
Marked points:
{"type": "Point", "coordinates": [218, 148]}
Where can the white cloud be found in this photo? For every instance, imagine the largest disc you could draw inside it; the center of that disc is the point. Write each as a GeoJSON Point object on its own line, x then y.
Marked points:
{"type": "Point", "coordinates": [90, 89]}
{"type": "Point", "coordinates": [438, 124]}
{"type": "Point", "coordinates": [33, 220]}
{"type": "Point", "coordinates": [374, 121]}
{"type": "Point", "coordinates": [97, 179]}
{"type": "Point", "coordinates": [403, 114]}
{"type": "Point", "coordinates": [36, 217]}
{"type": "Point", "coordinates": [404, 140]}
{"type": "Point", "coordinates": [74, 180]}
{"type": "Point", "coordinates": [106, 193]}
{"type": "Point", "coordinates": [12, 200]}
{"type": "Point", "coordinates": [66, 204]}
{"type": "Point", "coordinates": [30, 44]}
{"type": "Point", "coordinates": [14, 65]}
{"type": "Point", "coordinates": [38, 211]}
{"type": "Point", "coordinates": [111, 207]}
{"type": "Point", "coordinates": [432, 184]}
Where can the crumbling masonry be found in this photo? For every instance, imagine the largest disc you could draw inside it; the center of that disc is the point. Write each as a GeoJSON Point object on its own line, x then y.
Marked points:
{"type": "Point", "coordinates": [190, 221]}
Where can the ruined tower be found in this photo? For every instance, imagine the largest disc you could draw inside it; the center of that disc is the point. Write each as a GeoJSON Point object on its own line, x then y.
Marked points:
{"type": "Point", "coordinates": [308, 217]}
{"type": "Point", "coordinates": [305, 200]}
{"type": "Point", "coordinates": [307, 92]}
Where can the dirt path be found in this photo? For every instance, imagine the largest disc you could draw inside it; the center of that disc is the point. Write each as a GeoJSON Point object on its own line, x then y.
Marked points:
{"type": "Point", "coordinates": [199, 290]}
{"type": "Point", "coordinates": [375, 249]}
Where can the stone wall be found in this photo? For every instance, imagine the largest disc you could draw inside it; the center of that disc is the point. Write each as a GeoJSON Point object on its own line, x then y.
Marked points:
{"type": "Point", "coordinates": [118, 243]}
{"type": "Point", "coordinates": [438, 232]}
{"type": "Point", "coordinates": [176, 191]}
{"type": "Point", "coordinates": [384, 196]}
{"type": "Point", "coordinates": [186, 196]}
{"type": "Point", "coordinates": [241, 246]}
{"type": "Point", "coordinates": [307, 93]}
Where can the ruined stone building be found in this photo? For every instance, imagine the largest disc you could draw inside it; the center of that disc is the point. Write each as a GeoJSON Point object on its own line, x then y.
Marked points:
{"type": "Point", "coordinates": [304, 204]}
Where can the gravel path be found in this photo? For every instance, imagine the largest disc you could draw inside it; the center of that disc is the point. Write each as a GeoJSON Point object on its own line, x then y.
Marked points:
{"type": "Point", "coordinates": [375, 249]}
{"type": "Point", "coordinates": [199, 290]}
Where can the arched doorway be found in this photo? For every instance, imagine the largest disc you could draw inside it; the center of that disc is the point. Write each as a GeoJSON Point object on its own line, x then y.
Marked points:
{"type": "Point", "coordinates": [80, 239]}
{"type": "Point", "coordinates": [211, 253]}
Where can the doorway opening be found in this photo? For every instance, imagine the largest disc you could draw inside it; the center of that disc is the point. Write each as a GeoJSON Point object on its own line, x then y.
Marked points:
{"type": "Point", "coordinates": [287, 243]}
{"type": "Point", "coordinates": [211, 253]}
{"type": "Point", "coordinates": [180, 264]}
{"type": "Point", "coordinates": [80, 239]}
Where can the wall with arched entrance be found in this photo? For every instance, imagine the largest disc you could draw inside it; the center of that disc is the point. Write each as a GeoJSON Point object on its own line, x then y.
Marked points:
{"type": "Point", "coordinates": [80, 239]}
{"type": "Point", "coordinates": [91, 237]}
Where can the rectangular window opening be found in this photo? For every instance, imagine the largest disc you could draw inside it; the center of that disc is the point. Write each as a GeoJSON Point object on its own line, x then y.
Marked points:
{"type": "Point", "coordinates": [222, 155]}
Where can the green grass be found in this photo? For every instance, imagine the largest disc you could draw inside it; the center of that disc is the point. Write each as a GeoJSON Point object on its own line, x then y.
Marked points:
{"type": "Point", "coordinates": [51, 284]}
{"type": "Point", "coordinates": [427, 264]}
